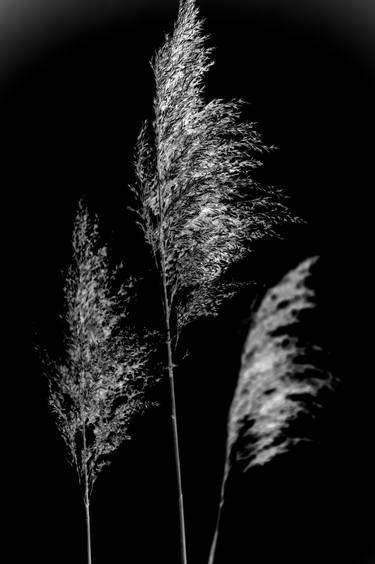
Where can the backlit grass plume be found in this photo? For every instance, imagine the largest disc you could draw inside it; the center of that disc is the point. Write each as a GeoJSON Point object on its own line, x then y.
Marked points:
{"type": "Point", "coordinates": [197, 200]}
{"type": "Point", "coordinates": [283, 381]}
{"type": "Point", "coordinates": [102, 382]}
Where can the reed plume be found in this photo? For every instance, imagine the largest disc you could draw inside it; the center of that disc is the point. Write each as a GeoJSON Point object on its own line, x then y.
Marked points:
{"type": "Point", "coordinates": [197, 199]}
{"type": "Point", "coordinates": [196, 196]}
{"type": "Point", "coordinates": [283, 381]}
{"type": "Point", "coordinates": [102, 383]}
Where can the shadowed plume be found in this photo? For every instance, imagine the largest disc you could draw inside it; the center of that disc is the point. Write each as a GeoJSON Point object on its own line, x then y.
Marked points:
{"type": "Point", "coordinates": [283, 381]}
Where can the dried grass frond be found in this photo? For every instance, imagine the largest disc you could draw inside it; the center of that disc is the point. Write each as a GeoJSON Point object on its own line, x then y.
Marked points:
{"type": "Point", "coordinates": [109, 365]}
{"type": "Point", "coordinates": [197, 199]}
{"type": "Point", "coordinates": [284, 381]}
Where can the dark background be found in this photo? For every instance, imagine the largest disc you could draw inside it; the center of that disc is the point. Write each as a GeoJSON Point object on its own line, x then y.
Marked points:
{"type": "Point", "coordinates": [72, 100]}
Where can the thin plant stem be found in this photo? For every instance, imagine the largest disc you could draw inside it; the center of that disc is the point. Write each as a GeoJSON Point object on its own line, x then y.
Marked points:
{"type": "Point", "coordinates": [86, 498]}
{"type": "Point", "coordinates": [172, 387]}
{"type": "Point", "coordinates": [88, 532]}
{"type": "Point", "coordinates": [174, 420]}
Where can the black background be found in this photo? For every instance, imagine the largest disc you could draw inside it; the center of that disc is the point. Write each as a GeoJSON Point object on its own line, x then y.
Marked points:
{"type": "Point", "coordinates": [70, 112]}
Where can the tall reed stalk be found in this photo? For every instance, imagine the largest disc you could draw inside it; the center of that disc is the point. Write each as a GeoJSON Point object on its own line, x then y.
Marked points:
{"type": "Point", "coordinates": [197, 201]}
{"type": "Point", "coordinates": [102, 381]}
{"type": "Point", "coordinates": [284, 380]}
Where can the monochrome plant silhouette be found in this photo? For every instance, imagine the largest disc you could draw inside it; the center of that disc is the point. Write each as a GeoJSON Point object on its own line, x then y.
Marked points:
{"type": "Point", "coordinates": [197, 199]}
{"type": "Point", "coordinates": [283, 382]}
{"type": "Point", "coordinates": [108, 367]}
